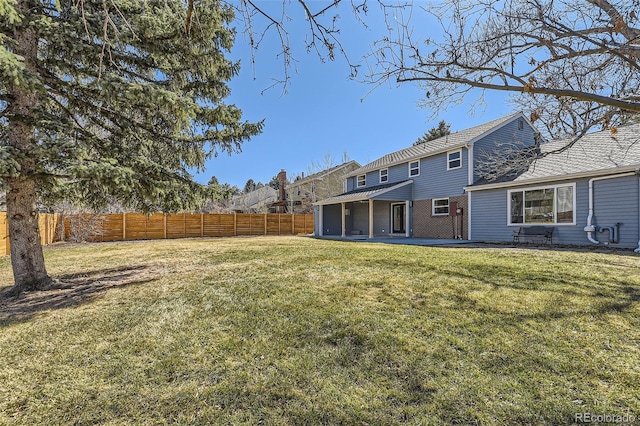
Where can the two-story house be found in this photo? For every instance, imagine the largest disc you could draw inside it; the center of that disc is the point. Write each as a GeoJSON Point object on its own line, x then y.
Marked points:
{"type": "Point", "coordinates": [306, 190]}
{"type": "Point", "coordinates": [257, 201]}
{"type": "Point", "coordinates": [419, 191]}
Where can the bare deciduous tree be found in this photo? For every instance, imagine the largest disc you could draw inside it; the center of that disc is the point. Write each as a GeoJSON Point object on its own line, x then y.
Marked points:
{"type": "Point", "coordinates": [572, 64]}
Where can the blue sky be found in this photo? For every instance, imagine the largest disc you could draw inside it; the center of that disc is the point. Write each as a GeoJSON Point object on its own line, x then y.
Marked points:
{"type": "Point", "coordinates": [324, 112]}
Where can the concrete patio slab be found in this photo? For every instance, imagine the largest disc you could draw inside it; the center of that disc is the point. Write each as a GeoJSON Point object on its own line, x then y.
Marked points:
{"type": "Point", "coordinates": [398, 240]}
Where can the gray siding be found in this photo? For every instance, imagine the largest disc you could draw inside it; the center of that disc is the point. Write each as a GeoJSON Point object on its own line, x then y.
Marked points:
{"type": "Point", "coordinates": [381, 217]}
{"type": "Point", "coordinates": [399, 172]}
{"type": "Point", "coordinates": [435, 181]}
{"type": "Point", "coordinates": [615, 200]}
{"type": "Point", "coordinates": [399, 194]}
{"type": "Point", "coordinates": [508, 136]}
{"type": "Point", "coordinates": [360, 217]}
{"type": "Point", "coordinates": [332, 219]}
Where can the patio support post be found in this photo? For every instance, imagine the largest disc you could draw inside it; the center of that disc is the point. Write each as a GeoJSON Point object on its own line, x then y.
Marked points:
{"type": "Point", "coordinates": [344, 219]}
{"type": "Point", "coordinates": [371, 218]}
{"type": "Point", "coordinates": [407, 228]}
{"type": "Point", "coordinates": [320, 224]}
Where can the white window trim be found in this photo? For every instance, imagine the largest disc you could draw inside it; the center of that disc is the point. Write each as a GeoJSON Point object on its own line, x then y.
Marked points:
{"type": "Point", "coordinates": [449, 160]}
{"type": "Point", "coordinates": [410, 168]}
{"type": "Point", "coordinates": [433, 207]}
{"type": "Point", "coordinates": [358, 181]}
{"type": "Point", "coordinates": [555, 197]}
{"type": "Point", "coordinates": [386, 175]}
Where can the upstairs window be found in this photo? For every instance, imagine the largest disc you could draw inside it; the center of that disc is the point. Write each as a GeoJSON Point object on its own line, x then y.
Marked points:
{"type": "Point", "coordinates": [384, 175]}
{"type": "Point", "coordinates": [362, 180]}
{"type": "Point", "coordinates": [414, 168]}
{"type": "Point", "coordinates": [454, 160]}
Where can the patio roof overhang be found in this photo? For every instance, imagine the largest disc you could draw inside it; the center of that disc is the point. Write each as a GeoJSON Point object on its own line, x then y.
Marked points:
{"type": "Point", "coordinates": [364, 194]}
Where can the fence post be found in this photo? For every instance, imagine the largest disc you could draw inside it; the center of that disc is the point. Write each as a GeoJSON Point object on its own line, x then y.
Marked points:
{"type": "Point", "coordinates": [293, 224]}
{"type": "Point", "coordinates": [235, 224]}
{"type": "Point", "coordinates": [279, 230]}
{"type": "Point", "coordinates": [165, 226]}
{"type": "Point", "coordinates": [266, 219]}
{"type": "Point", "coordinates": [201, 224]}
{"type": "Point", "coordinates": [124, 227]}
{"type": "Point", "coordinates": [184, 224]}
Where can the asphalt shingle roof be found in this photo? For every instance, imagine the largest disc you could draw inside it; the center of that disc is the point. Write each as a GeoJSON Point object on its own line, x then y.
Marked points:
{"type": "Point", "coordinates": [364, 193]}
{"type": "Point", "coordinates": [322, 173]}
{"type": "Point", "coordinates": [602, 151]}
{"type": "Point", "coordinates": [454, 140]}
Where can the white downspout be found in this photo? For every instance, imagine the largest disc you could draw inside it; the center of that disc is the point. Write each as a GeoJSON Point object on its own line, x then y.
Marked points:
{"type": "Point", "coordinates": [469, 215]}
{"type": "Point", "coordinates": [471, 169]}
{"type": "Point", "coordinates": [638, 249]}
{"type": "Point", "coordinates": [589, 229]}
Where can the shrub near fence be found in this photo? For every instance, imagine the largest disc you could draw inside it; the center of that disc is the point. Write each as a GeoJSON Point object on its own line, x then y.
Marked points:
{"type": "Point", "coordinates": [46, 222]}
{"type": "Point", "coordinates": [137, 226]}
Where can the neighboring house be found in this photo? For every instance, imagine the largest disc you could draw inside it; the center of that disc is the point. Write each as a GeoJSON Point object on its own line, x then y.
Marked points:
{"type": "Point", "coordinates": [258, 201]}
{"type": "Point", "coordinates": [304, 191]}
{"type": "Point", "coordinates": [419, 191]}
{"type": "Point", "coordinates": [589, 194]}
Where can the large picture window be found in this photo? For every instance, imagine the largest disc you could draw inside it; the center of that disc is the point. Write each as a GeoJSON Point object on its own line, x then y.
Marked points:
{"type": "Point", "coordinates": [549, 205]}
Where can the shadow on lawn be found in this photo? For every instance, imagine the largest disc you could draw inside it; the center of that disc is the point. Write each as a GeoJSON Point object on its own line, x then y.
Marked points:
{"type": "Point", "coordinates": [70, 290]}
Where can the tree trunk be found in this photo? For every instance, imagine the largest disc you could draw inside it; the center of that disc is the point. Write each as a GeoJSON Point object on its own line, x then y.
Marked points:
{"type": "Point", "coordinates": [27, 258]}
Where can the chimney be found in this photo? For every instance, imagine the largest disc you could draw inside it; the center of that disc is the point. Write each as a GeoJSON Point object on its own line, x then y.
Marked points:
{"type": "Point", "coordinates": [282, 181]}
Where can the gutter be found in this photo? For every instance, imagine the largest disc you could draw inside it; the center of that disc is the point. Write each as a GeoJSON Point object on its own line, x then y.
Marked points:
{"type": "Point", "coordinates": [553, 178]}
{"type": "Point", "coordinates": [638, 174]}
{"type": "Point", "coordinates": [406, 160]}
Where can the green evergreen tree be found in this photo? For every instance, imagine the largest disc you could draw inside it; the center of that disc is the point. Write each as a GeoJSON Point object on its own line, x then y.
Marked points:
{"type": "Point", "coordinates": [249, 186]}
{"type": "Point", "coordinates": [443, 129]}
{"type": "Point", "coordinates": [113, 100]}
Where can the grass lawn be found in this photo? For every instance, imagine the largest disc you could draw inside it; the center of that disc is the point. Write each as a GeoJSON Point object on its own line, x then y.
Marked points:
{"type": "Point", "coordinates": [290, 330]}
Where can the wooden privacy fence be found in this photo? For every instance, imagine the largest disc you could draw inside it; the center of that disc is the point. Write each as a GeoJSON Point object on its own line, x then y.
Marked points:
{"type": "Point", "coordinates": [46, 222]}
{"type": "Point", "coordinates": [138, 226]}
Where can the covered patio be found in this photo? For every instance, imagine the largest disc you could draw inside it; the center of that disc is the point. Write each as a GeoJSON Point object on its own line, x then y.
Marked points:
{"type": "Point", "coordinates": [380, 211]}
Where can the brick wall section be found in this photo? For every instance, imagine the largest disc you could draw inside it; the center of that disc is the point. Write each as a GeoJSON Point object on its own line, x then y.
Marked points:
{"type": "Point", "coordinates": [425, 225]}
